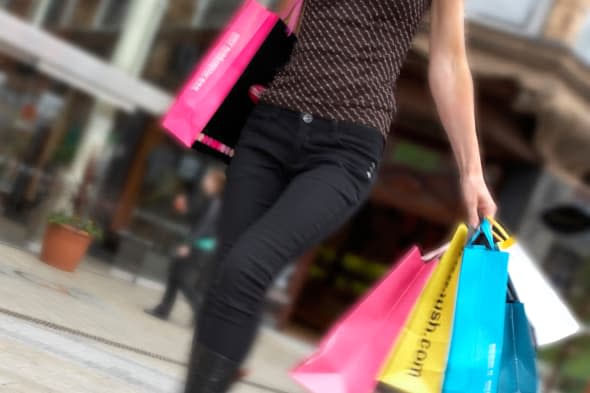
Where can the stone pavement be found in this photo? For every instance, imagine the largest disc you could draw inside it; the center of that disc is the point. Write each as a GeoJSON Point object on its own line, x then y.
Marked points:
{"type": "Point", "coordinates": [90, 316]}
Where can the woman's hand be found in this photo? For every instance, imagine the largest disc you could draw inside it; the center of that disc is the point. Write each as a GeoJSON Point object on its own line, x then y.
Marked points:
{"type": "Point", "coordinates": [478, 199]}
{"type": "Point", "coordinates": [183, 251]}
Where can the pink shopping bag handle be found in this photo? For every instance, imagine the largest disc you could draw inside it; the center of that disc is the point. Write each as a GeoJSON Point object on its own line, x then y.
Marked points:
{"type": "Point", "coordinates": [292, 15]}
{"type": "Point", "coordinates": [436, 254]}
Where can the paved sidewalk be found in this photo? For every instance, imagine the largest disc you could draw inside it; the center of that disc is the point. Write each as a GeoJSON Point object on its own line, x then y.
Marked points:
{"type": "Point", "coordinates": [61, 358]}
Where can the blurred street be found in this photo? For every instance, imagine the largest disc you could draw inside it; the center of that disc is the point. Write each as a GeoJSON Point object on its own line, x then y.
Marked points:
{"type": "Point", "coordinates": [36, 355]}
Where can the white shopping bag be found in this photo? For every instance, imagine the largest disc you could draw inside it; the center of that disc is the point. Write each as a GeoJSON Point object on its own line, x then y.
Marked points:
{"type": "Point", "coordinates": [547, 312]}
{"type": "Point", "coordinates": [550, 316]}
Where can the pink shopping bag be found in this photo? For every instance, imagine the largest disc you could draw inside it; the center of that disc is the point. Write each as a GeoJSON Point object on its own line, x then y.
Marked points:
{"type": "Point", "coordinates": [350, 357]}
{"type": "Point", "coordinates": [213, 106]}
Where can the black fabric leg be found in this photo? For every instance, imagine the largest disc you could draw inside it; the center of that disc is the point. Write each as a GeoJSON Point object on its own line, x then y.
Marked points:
{"type": "Point", "coordinates": [323, 171]}
{"type": "Point", "coordinates": [209, 372]}
{"type": "Point", "coordinates": [293, 181]}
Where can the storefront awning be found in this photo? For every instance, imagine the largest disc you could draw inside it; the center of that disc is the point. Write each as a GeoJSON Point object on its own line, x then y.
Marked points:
{"type": "Point", "coordinates": [73, 66]}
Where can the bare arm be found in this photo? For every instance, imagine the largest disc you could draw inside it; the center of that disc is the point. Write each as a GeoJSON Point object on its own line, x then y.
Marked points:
{"type": "Point", "coordinates": [452, 88]}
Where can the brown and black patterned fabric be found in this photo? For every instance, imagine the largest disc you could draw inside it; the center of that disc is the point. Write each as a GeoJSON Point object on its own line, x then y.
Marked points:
{"type": "Point", "coordinates": [347, 60]}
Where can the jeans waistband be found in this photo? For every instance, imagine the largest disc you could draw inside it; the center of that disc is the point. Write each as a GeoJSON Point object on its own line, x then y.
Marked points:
{"type": "Point", "coordinates": [329, 123]}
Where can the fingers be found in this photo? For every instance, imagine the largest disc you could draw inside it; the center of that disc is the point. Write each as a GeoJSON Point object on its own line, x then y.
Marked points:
{"type": "Point", "coordinates": [482, 207]}
{"type": "Point", "coordinates": [478, 201]}
{"type": "Point", "coordinates": [255, 92]}
{"type": "Point", "coordinates": [490, 211]}
{"type": "Point", "coordinates": [488, 207]}
{"type": "Point", "coordinates": [472, 212]}
{"type": "Point", "coordinates": [473, 218]}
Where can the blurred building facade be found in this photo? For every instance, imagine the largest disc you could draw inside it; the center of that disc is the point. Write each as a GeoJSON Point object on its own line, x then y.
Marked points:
{"type": "Point", "coordinates": [549, 62]}
{"type": "Point", "coordinates": [531, 63]}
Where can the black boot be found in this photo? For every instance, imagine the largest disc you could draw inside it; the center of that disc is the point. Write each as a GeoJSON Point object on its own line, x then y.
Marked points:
{"type": "Point", "coordinates": [163, 310]}
{"type": "Point", "coordinates": [159, 312]}
{"type": "Point", "coordinates": [209, 372]}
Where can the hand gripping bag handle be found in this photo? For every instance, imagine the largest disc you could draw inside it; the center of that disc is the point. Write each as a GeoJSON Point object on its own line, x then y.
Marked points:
{"type": "Point", "coordinates": [484, 232]}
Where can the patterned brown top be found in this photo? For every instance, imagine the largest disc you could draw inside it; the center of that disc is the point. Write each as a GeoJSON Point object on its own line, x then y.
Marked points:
{"type": "Point", "coordinates": [347, 60]}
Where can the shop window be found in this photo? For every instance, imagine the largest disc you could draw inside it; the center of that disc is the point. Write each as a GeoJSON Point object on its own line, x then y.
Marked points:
{"type": "Point", "coordinates": [180, 13]}
{"type": "Point", "coordinates": [183, 58]}
{"type": "Point", "coordinates": [20, 8]}
{"type": "Point", "coordinates": [583, 42]}
{"type": "Point", "coordinates": [83, 14]}
{"type": "Point", "coordinates": [54, 13]}
{"type": "Point", "coordinates": [111, 14]}
{"type": "Point", "coordinates": [213, 14]}
{"type": "Point", "coordinates": [67, 11]}
{"type": "Point", "coordinates": [524, 17]}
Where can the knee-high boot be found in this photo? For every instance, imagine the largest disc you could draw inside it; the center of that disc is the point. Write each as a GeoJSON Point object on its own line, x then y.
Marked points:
{"type": "Point", "coordinates": [209, 372]}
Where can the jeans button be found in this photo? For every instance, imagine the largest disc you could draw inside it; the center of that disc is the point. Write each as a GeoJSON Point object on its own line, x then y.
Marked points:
{"type": "Point", "coordinates": [307, 118]}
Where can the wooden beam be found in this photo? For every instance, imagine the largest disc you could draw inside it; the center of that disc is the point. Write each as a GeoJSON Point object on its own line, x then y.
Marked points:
{"type": "Point", "coordinates": [131, 192]}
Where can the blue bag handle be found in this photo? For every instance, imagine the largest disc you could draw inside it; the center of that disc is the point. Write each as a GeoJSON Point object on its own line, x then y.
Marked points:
{"type": "Point", "coordinates": [485, 231]}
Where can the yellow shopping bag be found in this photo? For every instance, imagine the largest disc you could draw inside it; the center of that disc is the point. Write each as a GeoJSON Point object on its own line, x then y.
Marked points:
{"type": "Point", "coordinates": [418, 360]}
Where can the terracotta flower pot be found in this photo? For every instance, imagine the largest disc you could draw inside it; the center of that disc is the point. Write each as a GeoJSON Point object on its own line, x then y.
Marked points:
{"type": "Point", "coordinates": [64, 246]}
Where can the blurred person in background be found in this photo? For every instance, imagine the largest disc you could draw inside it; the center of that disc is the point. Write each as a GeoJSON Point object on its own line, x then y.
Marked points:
{"type": "Point", "coordinates": [191, 266]}
{"type": "Point", "coordinates": [309, 155]}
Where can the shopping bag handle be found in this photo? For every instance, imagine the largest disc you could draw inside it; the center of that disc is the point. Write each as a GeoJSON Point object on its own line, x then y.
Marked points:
{"type": "Point", "coordinates": [484, 231]}
{"type": "Point", "coordinates": [500, 233]}
{"type": "Point", "coordinates": [434, 254]}
{"type": "Point", "coordinates": [439, 252]}
{"type": "Point", "coordinates": [503, 238]}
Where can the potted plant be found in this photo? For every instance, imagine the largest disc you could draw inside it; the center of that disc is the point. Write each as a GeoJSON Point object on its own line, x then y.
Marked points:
{"type": "Point", "coordinates": [67, 239]}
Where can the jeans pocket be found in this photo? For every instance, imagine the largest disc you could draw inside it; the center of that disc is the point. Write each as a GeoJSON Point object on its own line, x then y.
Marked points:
{"type": "Point", "coordinates": [361, 149]}
{"type": "Point", "coordinates": [361, 172]}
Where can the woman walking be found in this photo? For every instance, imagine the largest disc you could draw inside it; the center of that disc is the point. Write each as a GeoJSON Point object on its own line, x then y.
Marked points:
{"type": "Point", "coordinates": [309, 154]}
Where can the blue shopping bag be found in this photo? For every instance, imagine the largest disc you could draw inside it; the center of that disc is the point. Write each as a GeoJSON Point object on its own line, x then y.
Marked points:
{"type": "Point", "coordinates": [518, 372]}
{"type": "Point", "coordinates": [478, 330]}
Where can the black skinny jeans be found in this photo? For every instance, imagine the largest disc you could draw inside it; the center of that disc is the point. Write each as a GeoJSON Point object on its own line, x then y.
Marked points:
{"type": "Point", "coordinates": [293, 181]}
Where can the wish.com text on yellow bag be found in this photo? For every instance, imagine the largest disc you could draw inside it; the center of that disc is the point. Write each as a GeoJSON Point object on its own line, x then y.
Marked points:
{"type": "Point", "coordinates": [418, 359]}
